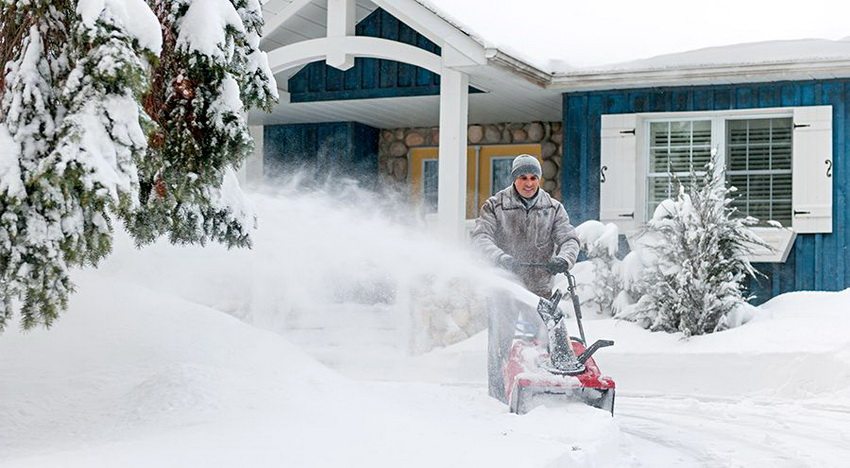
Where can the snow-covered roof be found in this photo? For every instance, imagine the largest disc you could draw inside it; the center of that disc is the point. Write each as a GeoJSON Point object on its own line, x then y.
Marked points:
{"type": "Point", "coordinates": [802, 59]}
{"type": "Point", "coordinates": [561, 37]}
{"type": "Point", "coordinates": [555, 59]}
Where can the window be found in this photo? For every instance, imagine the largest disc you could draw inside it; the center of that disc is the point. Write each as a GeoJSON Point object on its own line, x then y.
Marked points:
{"type": "Point", "coordinates": [675, 149]}
{"type": "Point", "coordinates": [779, 159]}
{"type": "Point", "coordinates": [430, 171]}
{"type": "Point", "coordinates": [759, 166]}
{"type": "Point", "coordinates": [757, 157]}
{"type": "Point", "coordinates": [488, 170]}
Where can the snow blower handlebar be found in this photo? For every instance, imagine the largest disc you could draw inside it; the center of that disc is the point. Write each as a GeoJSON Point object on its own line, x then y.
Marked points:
{"type": "Point", "coordinates": [571, 285]}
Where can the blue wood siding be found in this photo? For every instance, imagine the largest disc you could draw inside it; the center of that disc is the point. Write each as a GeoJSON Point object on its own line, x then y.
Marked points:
{"type": "Point", "coordinates": [342, 148]}
{"type": "Point", "coordinates": [370, 78]}
{"type": "Point", "coordinates": [817, 261]}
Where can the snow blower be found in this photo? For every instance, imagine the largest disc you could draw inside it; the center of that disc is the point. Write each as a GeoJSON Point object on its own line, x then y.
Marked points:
{"type": "Point", "coordinates": [562, 369]}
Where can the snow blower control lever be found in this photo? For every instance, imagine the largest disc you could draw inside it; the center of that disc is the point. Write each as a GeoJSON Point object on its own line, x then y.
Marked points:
{"type": "Point", "coordinates": [552, 316]}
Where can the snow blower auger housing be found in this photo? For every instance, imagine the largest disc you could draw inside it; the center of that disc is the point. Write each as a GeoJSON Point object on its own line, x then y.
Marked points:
{"type": "Point", "coordinates": [562, 369]}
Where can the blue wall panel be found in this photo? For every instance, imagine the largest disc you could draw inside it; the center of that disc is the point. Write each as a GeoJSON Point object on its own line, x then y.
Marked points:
{"type": "Point", "coordinates": [817, 261]}
{"type": "Point", "coordinates": [343, 148]}
{"type": "Point", "coordinates": [370, 78]}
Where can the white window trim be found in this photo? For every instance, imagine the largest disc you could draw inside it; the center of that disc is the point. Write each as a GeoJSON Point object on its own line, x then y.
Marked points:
{"type": "Point", "coordinates": [780, 239]}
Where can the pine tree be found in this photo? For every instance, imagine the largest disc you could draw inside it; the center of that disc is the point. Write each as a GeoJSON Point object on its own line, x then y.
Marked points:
{"type": "Point", "coordinates": [701, 258]}
{"type": "Point", "coordinates": [77, 146]}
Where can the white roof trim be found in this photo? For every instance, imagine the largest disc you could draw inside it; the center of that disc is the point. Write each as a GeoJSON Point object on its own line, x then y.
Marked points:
{"type": "Point", "coordinates": [708, 75]}
{"type": "Point", "coordinates": [515, 65]}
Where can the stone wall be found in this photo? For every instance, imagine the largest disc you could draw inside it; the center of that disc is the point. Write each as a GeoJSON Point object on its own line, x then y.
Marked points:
{"type": "Point", "coordinates": [395, 144]}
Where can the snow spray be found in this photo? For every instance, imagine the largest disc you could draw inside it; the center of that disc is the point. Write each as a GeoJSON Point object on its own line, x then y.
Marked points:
{"type": "Point", "coordinates": [332, 263]}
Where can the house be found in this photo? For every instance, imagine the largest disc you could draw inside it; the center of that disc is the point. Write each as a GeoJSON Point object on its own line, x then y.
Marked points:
{"type": "Point", "coordinates": [389, 87]}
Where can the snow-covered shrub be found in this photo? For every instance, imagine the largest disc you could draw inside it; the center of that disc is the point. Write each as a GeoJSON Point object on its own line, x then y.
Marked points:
{"type": "Point", "coordinates": [632, 273]}
{"type": "Point", "coordinates": [700, 249]}
{"type": "Point", "coordinates": [601, 242]}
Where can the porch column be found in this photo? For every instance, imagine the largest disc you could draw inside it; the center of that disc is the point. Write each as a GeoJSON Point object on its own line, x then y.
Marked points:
{"type": "Point", "coordinates": [454, 107]}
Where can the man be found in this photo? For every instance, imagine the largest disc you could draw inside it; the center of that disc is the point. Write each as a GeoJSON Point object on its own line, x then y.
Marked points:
{"type": "Point", "coordinates": [519, 226]}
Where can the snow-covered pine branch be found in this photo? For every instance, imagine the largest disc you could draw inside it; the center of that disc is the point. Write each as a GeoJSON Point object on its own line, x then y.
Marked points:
{"type": "Point", "coordinates": [101, 139]}
{"type": "Point", "coordinates": [211, 71]}
{"type": "Point", "coordinates": [33, 266]}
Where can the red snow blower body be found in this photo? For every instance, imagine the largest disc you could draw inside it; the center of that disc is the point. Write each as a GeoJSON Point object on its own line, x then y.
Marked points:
{"type": "Point", "coordinates": [537, 372]}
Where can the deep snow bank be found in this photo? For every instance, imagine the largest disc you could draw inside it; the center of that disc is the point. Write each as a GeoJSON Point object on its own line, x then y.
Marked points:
{"type": "Point", "coordinates": [131, 377]}
{"type": "Point", "coordinates": [796, 346]}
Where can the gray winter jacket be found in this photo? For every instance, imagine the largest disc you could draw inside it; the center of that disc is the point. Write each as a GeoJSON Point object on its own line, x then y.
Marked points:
{"type": "Point", "coordinates": [531, 235]}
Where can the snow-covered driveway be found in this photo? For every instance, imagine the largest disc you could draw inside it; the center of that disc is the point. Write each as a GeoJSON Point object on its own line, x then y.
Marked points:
{"type": "Point", "coordinates": [669, 430]}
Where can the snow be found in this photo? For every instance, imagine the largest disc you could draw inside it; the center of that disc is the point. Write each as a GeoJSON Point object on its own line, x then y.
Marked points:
{"type": "Point", "coordinates": [10, 171]}
{"type": "Point", "coordinates": [231, 198]}
{"type": "Point", "coordinates": [562, 37]}
{"type": "Point", "coordinates": [204, 27]}
{"type": "Point", "coordinates": [765, 52]}
{"type": "Point", "coordinates": [176, 356]}
{"type": "Point", "coordinates": [594, 235]}
{"type": "Point", "coordinates": [135, 16]}
{"type": "Point", "coordinates": [107, 165]}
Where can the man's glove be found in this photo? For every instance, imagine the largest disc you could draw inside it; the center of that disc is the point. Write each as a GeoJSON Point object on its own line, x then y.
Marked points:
{"type": "Point", "coordinates": [508, 263]}
{"type": "Point", "coordinates": [558, 265]}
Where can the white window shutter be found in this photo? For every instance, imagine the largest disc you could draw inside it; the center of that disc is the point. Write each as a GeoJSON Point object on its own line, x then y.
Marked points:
{"type": "Point", "coordinates": [812, 170]}
{"type": "Point", "coordinates": [617, 192]}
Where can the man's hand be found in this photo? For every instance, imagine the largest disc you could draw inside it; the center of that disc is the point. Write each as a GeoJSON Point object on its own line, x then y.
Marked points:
{"type": "Point", "coordinates": [558, 265]}
{"type": "Point", "coordinates": [508, 263]}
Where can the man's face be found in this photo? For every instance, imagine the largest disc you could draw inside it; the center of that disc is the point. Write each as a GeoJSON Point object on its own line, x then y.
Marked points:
{"type": "Point", "coordinates": [527, 185]}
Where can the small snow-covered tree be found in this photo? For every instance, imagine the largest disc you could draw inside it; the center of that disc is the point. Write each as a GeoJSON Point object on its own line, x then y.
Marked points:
{"type": "Point", "coordinates": [700, 260]}
{"type": "Point", "coordinates": [601, 242]}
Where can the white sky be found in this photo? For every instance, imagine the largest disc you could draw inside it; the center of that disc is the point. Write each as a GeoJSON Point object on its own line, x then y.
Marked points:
{"type": "Point", "coordinates": [590, 33]}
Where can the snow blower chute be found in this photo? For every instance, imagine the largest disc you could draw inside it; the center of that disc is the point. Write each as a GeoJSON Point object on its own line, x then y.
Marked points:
{"type": "Point", "coordinates": [562, 369]}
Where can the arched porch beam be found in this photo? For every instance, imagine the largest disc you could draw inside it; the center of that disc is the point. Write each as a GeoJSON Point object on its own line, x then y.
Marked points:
{"type": "Point", "coordinates": [334, 49]}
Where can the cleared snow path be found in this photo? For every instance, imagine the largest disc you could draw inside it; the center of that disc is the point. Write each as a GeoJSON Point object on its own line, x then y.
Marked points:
{"type": "Point", "coordinates": [731, 433]}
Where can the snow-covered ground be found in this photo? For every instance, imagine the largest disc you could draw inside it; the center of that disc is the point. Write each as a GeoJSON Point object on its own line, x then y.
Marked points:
{"type": "Point", "coordinates": [187, 357]}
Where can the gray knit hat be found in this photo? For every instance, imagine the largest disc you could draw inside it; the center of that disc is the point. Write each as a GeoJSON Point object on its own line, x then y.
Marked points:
{"type": "Point", "coordinates": [525, 164]}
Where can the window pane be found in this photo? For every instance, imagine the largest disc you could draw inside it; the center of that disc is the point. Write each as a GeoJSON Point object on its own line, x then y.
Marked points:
{"type": "Point", "coordinates": [676, 148]}
{"type": "Point", "coordinates": [658, 134]}
{"type": "Point", "coordinates": [759, 165]}
{"type": "Point", "coordinates": [430, 172]}
{"type": "Point", "coordinates": [700, 158]}
{"type": "Point", "coordinates": [702, 133]}
{"type": "Point", "coordinates": [501, 177]}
